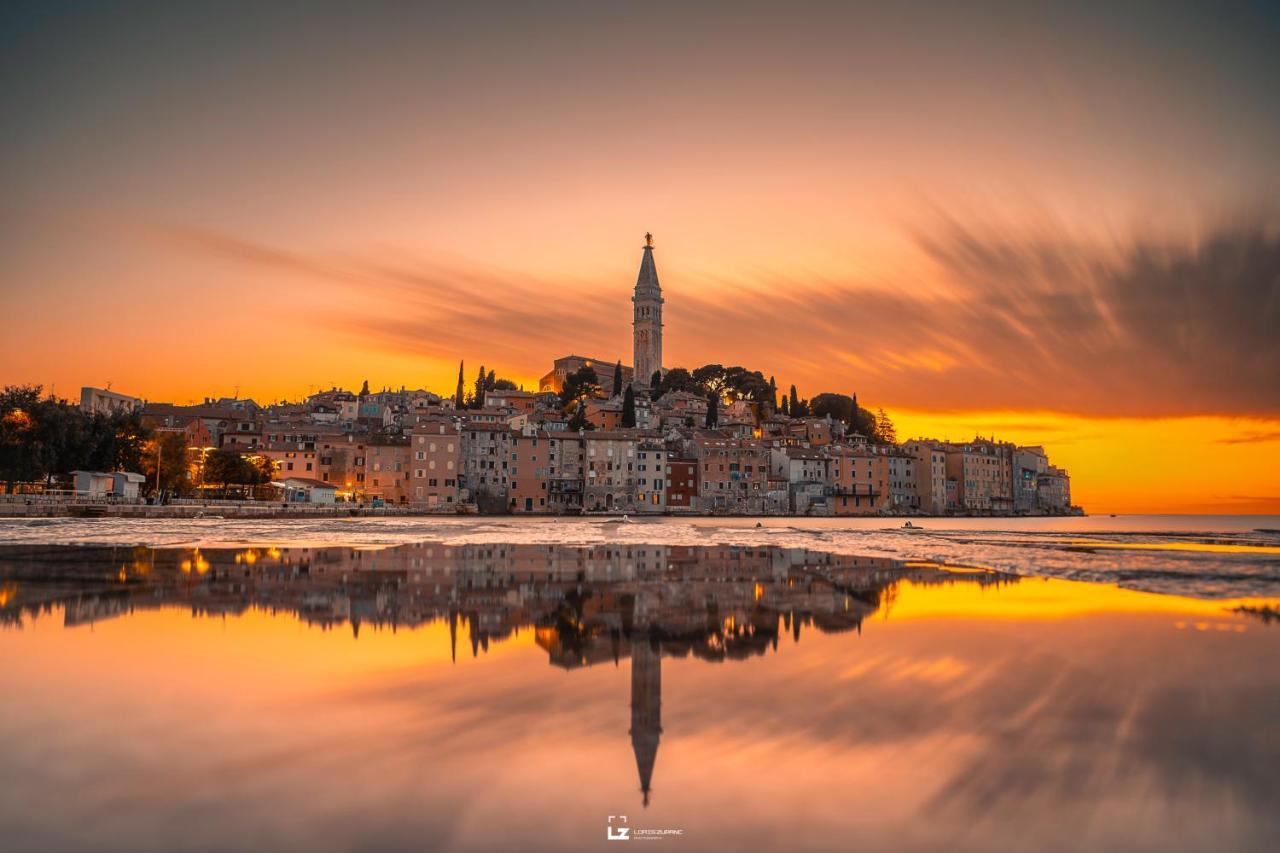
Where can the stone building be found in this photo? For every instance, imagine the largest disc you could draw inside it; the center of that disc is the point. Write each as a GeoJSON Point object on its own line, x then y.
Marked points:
{"type": "Point", "coordinates": [486, 460]}
{"type": "Point", "coordinates": [647, 318]}
{"type": "Point", "coordinates": [610, 470]}
{"type": "Point", "coordinates": [733, 473]}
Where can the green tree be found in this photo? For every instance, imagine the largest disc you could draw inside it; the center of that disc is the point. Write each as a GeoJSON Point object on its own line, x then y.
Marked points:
{"type": "Point", "coordinates": [795, 403]}
{"type": "Point", "coordinates": [477, 397]}
{"type": "Point", "coordinates": [129, 439]}
{"type": "Point", "coordinates": [579, 385]}
{"type": "Point", "coordinates": [504, 385]}
{"type": "Point", "coordinates": [579, 419]}
{"type": "Point", "coordinates": [786, 407]}
{"type": "Point", "coordinates": [459, 399]}
{"type": "Point", "coordinates": [20, 454]}
{"type": "Point", "coordinates": [228, 468]}
{"type": "Point", "coordinates": [679, 379]}
{"type": "Point", "coordinates": [223, 467]}
{"type": "Point", "coordinates": [175, 463]}
{"type": "Point", "coordinates": [629, 408]}
{"type": "Point", "coordinates": [864, 423]}
{"type": "Point", "coordinates": [617, 379]}
{"type": "Point", "coordinates": [61, 437]}
{"type": "Point", "coordinates": [264, 470]}
{"type": "Point", "coordinates": [711, 378]}
{"type": "Point", "coordinates": [886, 432]}
{"type": "Point", "coordinates": [838, 406]}
{"type": "Point", "coordinates": [742, 384]}
{"type": "Point", "coordinates": [655, 386]}
{"type": "Point", "coordinates": [713, 409]}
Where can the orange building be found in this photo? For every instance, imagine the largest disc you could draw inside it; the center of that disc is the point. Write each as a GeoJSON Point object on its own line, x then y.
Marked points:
{"type": "Point", "coordinates": [387, 472]}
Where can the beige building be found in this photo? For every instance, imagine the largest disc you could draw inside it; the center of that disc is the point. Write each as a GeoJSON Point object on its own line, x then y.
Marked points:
{"type": "Point", "coordinates": [982, 471]}
{"type": "Point", "coordinates": [930, 474]}
{"type": "Point", "coordinates": [1054, 488]}
{"type": "Point", "coordinates": [435, 456]}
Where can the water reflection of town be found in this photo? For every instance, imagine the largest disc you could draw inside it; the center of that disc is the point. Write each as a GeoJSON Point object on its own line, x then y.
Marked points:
{"type": "Point", "coordinates": [586, 605]}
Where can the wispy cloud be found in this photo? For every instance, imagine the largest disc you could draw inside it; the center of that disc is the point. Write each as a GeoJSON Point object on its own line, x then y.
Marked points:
{"type": "Point", "coordinates": [1045, 323]}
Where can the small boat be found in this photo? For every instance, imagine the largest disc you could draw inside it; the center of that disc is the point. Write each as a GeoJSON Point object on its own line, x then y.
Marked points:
{"type": "Point", "coordinates": [912, 527]}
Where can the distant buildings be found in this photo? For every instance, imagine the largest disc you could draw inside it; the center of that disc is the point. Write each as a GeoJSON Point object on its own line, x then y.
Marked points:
{"type": "Point", "coordinates": [516, 452]}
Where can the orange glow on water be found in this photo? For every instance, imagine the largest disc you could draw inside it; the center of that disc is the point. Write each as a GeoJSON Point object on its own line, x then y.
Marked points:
{"type": "Point", "coordinates": [1038, 599]}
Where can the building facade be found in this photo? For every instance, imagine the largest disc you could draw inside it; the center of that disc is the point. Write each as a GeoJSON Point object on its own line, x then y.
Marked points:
{"type": "Point", "coordinates": [435, 457]}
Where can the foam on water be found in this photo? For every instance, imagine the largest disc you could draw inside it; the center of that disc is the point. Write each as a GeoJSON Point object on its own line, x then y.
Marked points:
{"type": "Point", "coordinates": [1199, 556]}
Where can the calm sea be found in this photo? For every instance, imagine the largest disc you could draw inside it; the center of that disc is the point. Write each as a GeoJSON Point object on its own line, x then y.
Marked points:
{"type": "Point", "coordinates": [493, 684]}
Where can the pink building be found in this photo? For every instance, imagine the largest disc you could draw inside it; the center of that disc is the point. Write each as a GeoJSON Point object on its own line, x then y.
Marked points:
{"type": "Point", "coordinates": [435, 457]}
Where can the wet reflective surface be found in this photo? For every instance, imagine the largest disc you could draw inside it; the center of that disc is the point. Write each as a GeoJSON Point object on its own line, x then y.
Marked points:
{"type": "Point", "coordinates": [481, 696]}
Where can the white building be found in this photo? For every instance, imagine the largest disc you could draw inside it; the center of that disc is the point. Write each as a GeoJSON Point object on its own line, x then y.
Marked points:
{"type": "Point", "coordinates": [100, 401]}
{"type": "Point", "coordinates": [306, 490]}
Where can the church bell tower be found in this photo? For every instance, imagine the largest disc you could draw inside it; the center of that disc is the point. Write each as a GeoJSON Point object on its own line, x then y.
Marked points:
{"type": "Point", "coordinates": [646, 319]}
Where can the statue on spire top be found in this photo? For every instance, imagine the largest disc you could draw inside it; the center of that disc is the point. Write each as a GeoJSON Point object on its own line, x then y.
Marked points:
{"type": "Point", "coordinates": [648, 240]}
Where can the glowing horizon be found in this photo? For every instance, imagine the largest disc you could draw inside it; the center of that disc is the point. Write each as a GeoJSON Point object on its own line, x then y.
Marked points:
{"type": "Point", "coordinates": [1055, 225]}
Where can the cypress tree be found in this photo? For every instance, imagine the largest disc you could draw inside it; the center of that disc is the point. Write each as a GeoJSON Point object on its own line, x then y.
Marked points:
{"type": "Point", "coordinates": [655, 385]}
{"type": "Point", "coordinates": [713, 410]}
{"type": "Point", "coordinates": [459, 399]}
{"type": "Point", "coordinates": [617, 379]}
{"type": "Point", "coordinates": [795, 403]}
{"type": "Point", "coordinates": [478, 401]}
{"type": "Point", "coordinates": [629, 408]}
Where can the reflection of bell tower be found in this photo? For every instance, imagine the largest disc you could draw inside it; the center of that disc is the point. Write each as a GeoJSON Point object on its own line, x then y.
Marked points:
{"type": "Point", "coordinates": [647, 319]}
{"type": "Point", "coordinates": [646, 707]}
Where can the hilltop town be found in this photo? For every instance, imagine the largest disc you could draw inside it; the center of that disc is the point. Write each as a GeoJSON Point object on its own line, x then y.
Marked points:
{"type": "Point", "coordinates": [595, 437]}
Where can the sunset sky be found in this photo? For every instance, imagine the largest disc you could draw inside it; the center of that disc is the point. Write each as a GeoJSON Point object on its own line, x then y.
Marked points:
{"type": "Point", "coordinates": [1052, 223]}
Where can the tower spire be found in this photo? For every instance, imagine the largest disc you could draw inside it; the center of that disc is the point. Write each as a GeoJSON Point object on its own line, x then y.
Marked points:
{"type": "Point", "coordinates": [647, 318]}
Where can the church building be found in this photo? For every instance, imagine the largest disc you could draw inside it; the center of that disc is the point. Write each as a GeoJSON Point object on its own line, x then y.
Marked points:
{"type": "Point", "coordinates": [646, 336]}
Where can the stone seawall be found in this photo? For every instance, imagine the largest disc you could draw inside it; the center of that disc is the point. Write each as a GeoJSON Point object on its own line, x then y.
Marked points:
{"type": "Point", "coordinates": [266, 510]}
